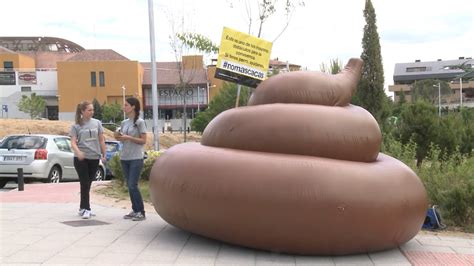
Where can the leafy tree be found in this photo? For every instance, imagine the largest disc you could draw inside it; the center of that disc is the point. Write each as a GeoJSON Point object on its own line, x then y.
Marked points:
{"type": "Point", "coordinates": [264, 10]}
{"type": "Point", "coordinates": [396, 108]}
{"type": "Point", "coordinates": [427, 90]}
{"type": "Point", "coordinates": [224, 100]}
{"type": "Point", "coordinates": [33, 105]}
{"type": "Point", "coordinates": [198, 42]}
{"type": "Point", "coordinates": [335, 66]}
{"type": "Point", "coordinates": [370, 92]}
{"type": "Point", "coordinates": [112, 112]}
{"type": "Point", "coordinates": [419, 124]}
{"type": "Point", "coordinates": [403, 98]}
{"type": "Point", "coordinates": [201, 121]}
{"type": "Point", "coordinates": [97, 109]}
{"type": "Point", "coordinates": [449, 134]}
{"type": "Point", "coordinates": [467, 139]}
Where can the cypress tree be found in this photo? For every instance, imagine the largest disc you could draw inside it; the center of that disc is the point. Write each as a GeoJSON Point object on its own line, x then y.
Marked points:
{"type": "Point", "coordinates": [370, 92]}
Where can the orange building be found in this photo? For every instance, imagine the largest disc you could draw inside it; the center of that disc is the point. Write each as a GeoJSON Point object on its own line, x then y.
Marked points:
{"type": "Point", "coordinates": [96, 74]}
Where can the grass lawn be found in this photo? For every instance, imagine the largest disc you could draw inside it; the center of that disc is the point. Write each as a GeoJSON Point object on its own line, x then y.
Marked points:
{"type": "Point", "coordinates": [118, 190]}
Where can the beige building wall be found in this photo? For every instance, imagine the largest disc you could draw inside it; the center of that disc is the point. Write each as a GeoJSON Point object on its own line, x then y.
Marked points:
{"type": "Point", "coordinates": [192, 61]}
{"type": "Point", "coordinates": [452, 98]}
{"type": "Point", "coordinates": [19, 60]}
{"type": "Point", "coordinates": [215, 85]}
{"type": "Point", "coordinates": [25, 61]}
{"type": "Point", "coordinates": [74, 82]}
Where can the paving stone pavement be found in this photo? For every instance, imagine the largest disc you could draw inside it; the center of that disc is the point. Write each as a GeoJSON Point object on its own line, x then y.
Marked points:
{"type": "Point", "coordinates": [38, 231]}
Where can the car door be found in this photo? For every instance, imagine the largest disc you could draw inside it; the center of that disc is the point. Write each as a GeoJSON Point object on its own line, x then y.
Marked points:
{"type": "Point", "coordinates": [66, 157]}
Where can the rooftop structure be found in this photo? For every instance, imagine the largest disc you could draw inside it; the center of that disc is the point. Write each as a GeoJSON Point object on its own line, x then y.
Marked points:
{"type": "Point", "coordinates": [38, 43]}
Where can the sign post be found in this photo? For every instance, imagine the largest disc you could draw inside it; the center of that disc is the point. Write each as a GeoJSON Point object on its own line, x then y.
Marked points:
{"type": "Point", "coordinates": [4, 109]}
{"type": "Point", "coordinates": [243, 59]}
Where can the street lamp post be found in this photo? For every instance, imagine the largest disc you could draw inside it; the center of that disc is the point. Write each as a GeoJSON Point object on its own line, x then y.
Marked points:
{"type": "Point", "coordinates": [198, 99]}
{"type": "Point", "coordinates": [123, 99]}
{"type": "Point", "coordinates": [467, 70]}
{"type": "Point", "coordinates": [154, 85]}
{"type": "Point", "coordinates": [439, 98]}
{"type": "Point", "coordinates": [184, 115]}
{"type": "Point", "coordinates": [238, 96]}
{"type": "Point", "coordinates": [207, 92]}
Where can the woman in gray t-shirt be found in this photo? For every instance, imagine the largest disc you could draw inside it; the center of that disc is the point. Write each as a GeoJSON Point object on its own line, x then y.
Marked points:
{"type": "Point", "coordinates": [88, 143]}
{"type": "Point", "coordinates": [132, 134]}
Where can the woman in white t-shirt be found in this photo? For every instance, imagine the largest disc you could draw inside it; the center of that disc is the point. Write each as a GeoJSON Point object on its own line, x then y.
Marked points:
{"type": "Point", "coordinates": [88, 143]}
{"type": "Point", "coordinates": [132, 134]}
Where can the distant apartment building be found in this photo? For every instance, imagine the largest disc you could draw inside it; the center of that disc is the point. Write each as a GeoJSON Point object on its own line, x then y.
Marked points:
{"type": "Point", "coordinates": [459, 79]}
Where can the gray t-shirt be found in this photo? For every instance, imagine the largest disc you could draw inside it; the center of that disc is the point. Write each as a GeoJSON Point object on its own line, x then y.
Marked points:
{"type": "Point", "coordinates": [88, 138]}
{"type": "Point", "coordinates": [132, 150]}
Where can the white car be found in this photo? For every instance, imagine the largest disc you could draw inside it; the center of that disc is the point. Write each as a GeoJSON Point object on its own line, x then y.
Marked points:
{"type": "Point", "coordinates": [43, 157]}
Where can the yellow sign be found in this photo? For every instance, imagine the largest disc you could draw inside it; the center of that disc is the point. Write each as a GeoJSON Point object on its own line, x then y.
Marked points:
{"type": "Point", "coordinates": [243, 58]}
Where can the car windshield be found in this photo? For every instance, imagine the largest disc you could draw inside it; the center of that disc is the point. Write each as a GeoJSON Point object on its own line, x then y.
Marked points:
{"type": "Point", "coordinates": [23, 142]}
{"type": "Point", "coordinates": [112, 147]}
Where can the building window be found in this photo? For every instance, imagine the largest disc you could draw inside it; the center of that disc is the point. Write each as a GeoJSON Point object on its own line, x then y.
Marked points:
{"type": "Point", "coordinates": [8, 64]}
{"type": "Point", "coordinates": [25, 89]}
{"type": "Point", "coordinates": [450, 67]}
{"type": "Point", "coordinates": [416, 69]}
{"type": "Point", "coordinates": [93, 80]}
{"type": "Point", "coordinates": [101, 79]}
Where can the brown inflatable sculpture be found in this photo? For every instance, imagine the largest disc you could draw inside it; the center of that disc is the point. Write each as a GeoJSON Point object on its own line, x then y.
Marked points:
{"type": "Point", "coordinates": [297, 171]}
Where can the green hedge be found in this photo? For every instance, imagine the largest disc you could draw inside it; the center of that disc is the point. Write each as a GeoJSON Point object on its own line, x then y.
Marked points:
{"type": "Point", "coordinates": [449, 182]}
{"type": "Point", "coordinates": [116, 167]}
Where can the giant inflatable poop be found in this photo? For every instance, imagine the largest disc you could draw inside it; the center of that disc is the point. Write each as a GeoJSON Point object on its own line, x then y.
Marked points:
{"type": "Point", "coordinates": [298, 171]}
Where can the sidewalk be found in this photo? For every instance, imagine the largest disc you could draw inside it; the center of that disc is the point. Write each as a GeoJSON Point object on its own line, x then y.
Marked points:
{"type": "Point", "coordinates": [40, 226]}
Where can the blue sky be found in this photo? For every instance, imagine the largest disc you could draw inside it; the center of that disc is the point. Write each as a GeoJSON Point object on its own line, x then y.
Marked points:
{"type": "Point", "coordinates": [322, 30]}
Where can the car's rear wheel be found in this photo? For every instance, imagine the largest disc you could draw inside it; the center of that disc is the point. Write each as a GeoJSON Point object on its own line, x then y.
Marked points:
{"type": "Point", "coordinates": [3, 183]}
{"type": "Point", "coordinates": [55, 175]}
{"type": "Point", "coordinates": [99, 175]}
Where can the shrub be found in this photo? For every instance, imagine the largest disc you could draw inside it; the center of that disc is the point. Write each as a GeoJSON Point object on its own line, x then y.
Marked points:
{"type": "Point", "coordinates": [149, 162]}
{"type": "Point", "coordinates": [403, 152]}
{"type": "Point", "coordinates": [448, 180]}
{"type": "Point", "coordinates": [116, 167]}
{"type": "Point", "coordinates": [450, 184]}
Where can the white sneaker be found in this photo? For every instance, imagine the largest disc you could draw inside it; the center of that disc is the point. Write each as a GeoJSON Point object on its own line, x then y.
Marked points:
{"type": "Point", "coordinates": [139, 217]}
{"type": "Point", "coordinates": [130, 215]}
{"type": "Point", "coordinates": [81, 212]}
{"type": "Point", "coordinates": [86, 214]}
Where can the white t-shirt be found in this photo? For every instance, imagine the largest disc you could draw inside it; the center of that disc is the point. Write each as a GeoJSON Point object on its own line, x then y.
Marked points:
{"type": "Point", "coordinates": [88, 138]}
{"type": "Point", "coordinates": [132, 150]}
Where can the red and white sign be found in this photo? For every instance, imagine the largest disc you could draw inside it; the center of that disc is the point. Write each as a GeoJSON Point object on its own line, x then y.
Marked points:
{"type": "Point", "coordinates": [27, 78]}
